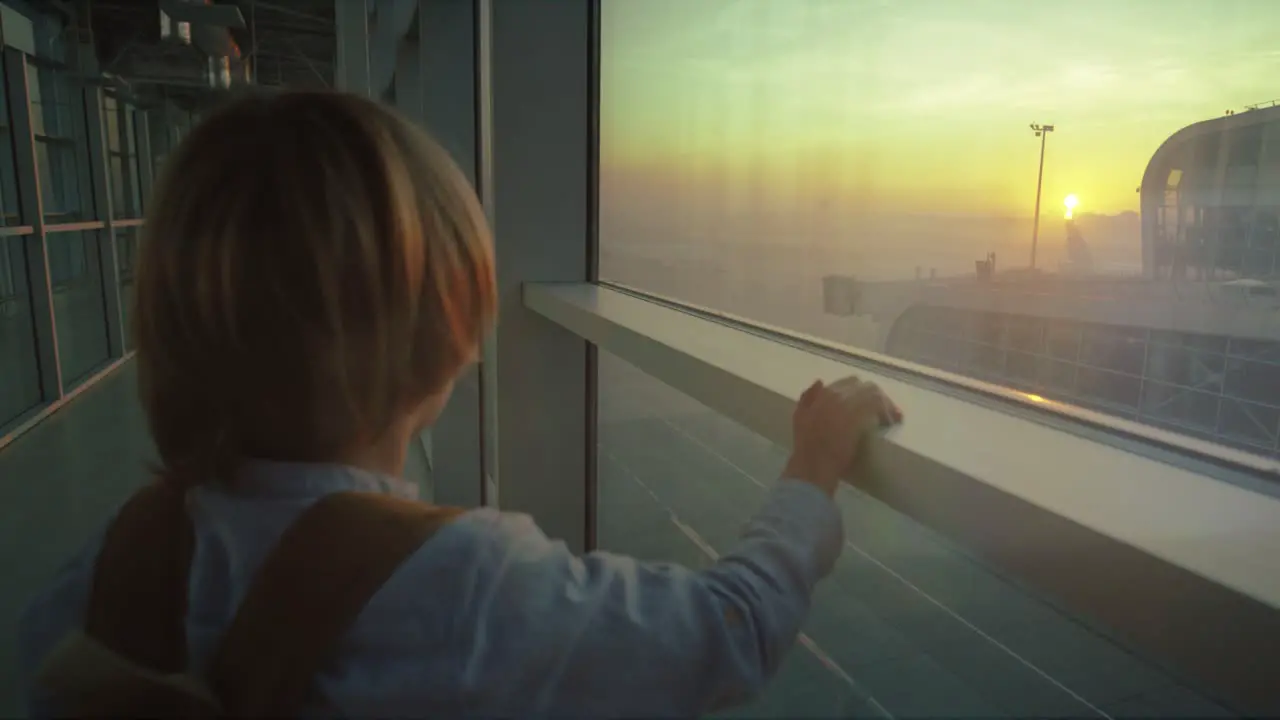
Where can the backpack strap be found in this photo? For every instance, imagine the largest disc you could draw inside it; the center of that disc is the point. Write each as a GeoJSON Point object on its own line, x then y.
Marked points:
{"type": "Point", "coordinates": [138, 599]}
{"type": "Point", "coordinates": [307, 594]}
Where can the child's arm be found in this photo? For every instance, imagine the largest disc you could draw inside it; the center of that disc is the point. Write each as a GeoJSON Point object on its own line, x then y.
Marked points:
{"type": "Point", "coordinates": [606, 635]}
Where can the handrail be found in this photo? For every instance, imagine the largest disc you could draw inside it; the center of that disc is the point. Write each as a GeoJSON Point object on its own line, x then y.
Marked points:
{"type": "Point", "coordinates": [1138, 546]}
{"type": "Point", "coordinates": [1254, 472]}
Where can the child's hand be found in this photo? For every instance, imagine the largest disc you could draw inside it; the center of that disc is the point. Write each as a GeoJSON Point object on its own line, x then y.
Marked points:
{"type": "Point", "coordinates": [828, 427]}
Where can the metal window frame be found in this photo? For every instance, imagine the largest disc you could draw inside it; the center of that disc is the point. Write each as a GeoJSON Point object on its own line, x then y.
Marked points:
{"type": "Point", "coordinates": [447, 57]}
{"type": "Point", "coordinates": [55, 390]}
{"type": "Point", "coordinates": [103, 198]}
{"type": "Point", "coordinates": [510, 89]}
{"type": "Point", "coordinates": [538, 119]}
{"type": "Point", "coordinates": [31, 206]}
{"type": "Point", "coordinates": [351, 23]}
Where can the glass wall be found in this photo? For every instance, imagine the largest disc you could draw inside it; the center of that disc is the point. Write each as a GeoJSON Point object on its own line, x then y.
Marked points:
{"type": "Point", "coordinates": [62, 150]}
{"type": "Point", "coordinates": [126, 252]}
{"type": "Point", "coordinates": [19, 369]}
{"type": "Point", "coordinates": [89, 271]}
{"type": "Point", "coordinates": [908, 625]}
{"type": "Point", "coordinates": [19, 366]}
{"type": "Point", "coordinates": [79, 306]}
{"type": "Point", "coordinates": [167, 126]}
{"type": "Point", "coordinates": [122, 150]}
{"type": "Point", "coordinates": [9, 208]}
{"type": "Point", "coordinates": [868, 173]}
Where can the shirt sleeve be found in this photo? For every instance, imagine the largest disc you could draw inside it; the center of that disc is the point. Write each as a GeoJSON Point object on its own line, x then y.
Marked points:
{"type": "Point", "coordinates": [605, 635]}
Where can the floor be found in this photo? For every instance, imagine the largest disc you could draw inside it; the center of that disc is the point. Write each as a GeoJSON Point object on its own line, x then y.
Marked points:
{"type": "Point", "coordinates": [907, 626]}
{"type": "Point", "coordinates": [58, 483]}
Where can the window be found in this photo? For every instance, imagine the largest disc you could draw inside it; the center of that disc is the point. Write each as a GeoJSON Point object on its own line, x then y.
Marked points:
{"type": "Point", "coordinates": [20, 390]}
{"type": "Point", "coordinates": [79, 306]}
{"type": "Point", "coordinates": [867, 173]}
{"type": "Point", "coordinates": [9, 209]}
{"type": "Point", "coordinates": [122, 153]}
{"type": "Point", "coordinates": [62, 150]}
{"type": "Point", "coordinates": [167, 125]}
{"type": "Point", "coordinates": [908, 624]}
{"type": "Point", "coordinates": [126, 254]}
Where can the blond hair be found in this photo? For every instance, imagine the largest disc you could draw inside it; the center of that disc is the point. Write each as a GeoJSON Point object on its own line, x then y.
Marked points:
{"type": "Point", "coordinates": [314, 267]}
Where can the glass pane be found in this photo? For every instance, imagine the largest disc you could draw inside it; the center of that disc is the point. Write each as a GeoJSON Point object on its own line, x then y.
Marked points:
{"type": "Point", "coordinates": [119, 186]}
{"type": "Point", "coordinates": [158, 130]}
{"type": "Point", "coordinates": [126, 190]}
{"type": "Point", "coordinates": [835, 167]}
{"type": "Point", "coordinates": [9, 209]}
{"type": "Point", "coordinates": [111, 115]}
{"type": "Point", "coordinates": [131, 148]}
{"type": "Point", "coordinates": [908, 624]}
{"type": "Point", "coordinates": [62, 150]}
{"type": "Point", "coordinates": [126, 253]}
{"type": "Point", "coordinates": [19, 368]}
{"type": "Point", "coordinates": [79, 307]}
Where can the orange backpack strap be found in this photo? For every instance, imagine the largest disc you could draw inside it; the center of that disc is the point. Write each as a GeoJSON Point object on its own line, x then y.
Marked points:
{"type": "Point", "coordinates": [138, 600]}
{"type": "Point", "coordinates": [307, 594]}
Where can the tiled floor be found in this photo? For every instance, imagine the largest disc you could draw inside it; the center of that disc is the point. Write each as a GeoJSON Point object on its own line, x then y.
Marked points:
{"type": "Point", "coordinates": [907, 626]}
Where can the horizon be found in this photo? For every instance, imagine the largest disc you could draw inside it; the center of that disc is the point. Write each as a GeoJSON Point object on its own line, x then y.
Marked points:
{"type": "Point", "coordinates": [915, 106]}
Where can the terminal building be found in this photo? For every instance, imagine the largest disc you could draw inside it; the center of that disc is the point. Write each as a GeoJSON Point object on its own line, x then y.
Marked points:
{"type": "Point", "coordinates": [1192, 346]}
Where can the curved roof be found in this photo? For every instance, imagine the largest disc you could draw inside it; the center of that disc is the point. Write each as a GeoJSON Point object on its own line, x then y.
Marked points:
{"type": "Point", "coordinates": [1155, 177]}
{"type": "Point", "coordinates": [1204, 127]}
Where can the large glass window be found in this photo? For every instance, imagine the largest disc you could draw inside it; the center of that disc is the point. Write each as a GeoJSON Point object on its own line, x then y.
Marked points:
{"type": "Point", "coordinates": [62, 150]}
{"type": "Point", "coordinates": [869, 173]}
{"type": "Point", "coordinates": [10, 212]}
{"type": "Point", "coordinates": [908, 625]}
{"type": "Point", "coordinates": [19, 372]}
{"type": "Point", "coordinates": [167, 125]}
{"type": "Point", "coordinates": [122, 152]}
{"type": "Point", "coordinates": [79, 307]}
{"type": "Point", "coordinates": [19, 369]}
{"type": "Point", "coordinates": [126, 254]}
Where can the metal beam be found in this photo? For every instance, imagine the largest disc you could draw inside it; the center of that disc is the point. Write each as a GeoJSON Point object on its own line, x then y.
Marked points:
{"type": "Point", "coordinates": [408, 81]}
{"type": "Point", "coordinates": [32, 209]}
{"type": "Point", "coordinates": [394, 21]}
{"type": "Point", "coordinates": [108, 265]}
{"type": "Point", "coordinates": [352, 71]}
{"type": "Point", "coordinates": [446, 56]}
{"type": "Point", "coordinates": [538, 137]}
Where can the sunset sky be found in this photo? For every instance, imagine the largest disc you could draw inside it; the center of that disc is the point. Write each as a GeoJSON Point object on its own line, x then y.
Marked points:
{"type": "Point", "coordinates": [922, 106]}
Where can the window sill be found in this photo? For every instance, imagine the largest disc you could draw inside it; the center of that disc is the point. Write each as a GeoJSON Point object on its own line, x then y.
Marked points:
{"type": "Point", "coordinates": [1133, 543]}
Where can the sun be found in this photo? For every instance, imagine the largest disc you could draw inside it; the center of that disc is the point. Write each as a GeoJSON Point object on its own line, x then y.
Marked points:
{"type": "Point", "coordinates": [1071, 201]}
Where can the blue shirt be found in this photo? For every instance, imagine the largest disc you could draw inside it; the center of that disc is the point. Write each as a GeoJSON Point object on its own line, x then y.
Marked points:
{"type": "Point", "coordinates": [492, 618]}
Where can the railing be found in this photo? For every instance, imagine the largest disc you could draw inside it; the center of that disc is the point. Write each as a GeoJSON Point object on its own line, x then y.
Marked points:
{"type": "Point", "coordinates": [1167, 545]}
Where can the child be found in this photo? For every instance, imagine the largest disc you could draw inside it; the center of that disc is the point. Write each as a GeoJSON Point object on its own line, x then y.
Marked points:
{"type": "Point", "coordinates": [315, 274]}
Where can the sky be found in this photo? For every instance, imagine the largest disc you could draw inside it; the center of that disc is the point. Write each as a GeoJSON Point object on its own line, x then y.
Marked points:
{"type": "Point", "coordinates": [919, 106]}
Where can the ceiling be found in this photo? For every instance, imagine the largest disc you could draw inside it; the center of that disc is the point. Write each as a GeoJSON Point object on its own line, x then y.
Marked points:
{"type": "Point", "coordinates": [288, 42]}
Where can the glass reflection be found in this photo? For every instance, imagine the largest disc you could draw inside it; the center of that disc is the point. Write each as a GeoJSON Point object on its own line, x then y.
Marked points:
{"type": "Point", "coordinates": [871, 173]}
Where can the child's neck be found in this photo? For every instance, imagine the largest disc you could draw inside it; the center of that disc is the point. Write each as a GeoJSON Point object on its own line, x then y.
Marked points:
{"type": "Point", "coordinates": [386, 457]}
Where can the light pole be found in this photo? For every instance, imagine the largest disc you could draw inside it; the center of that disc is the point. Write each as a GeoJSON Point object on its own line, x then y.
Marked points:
{"type": "Point", "coordinates": [1042, 132]}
